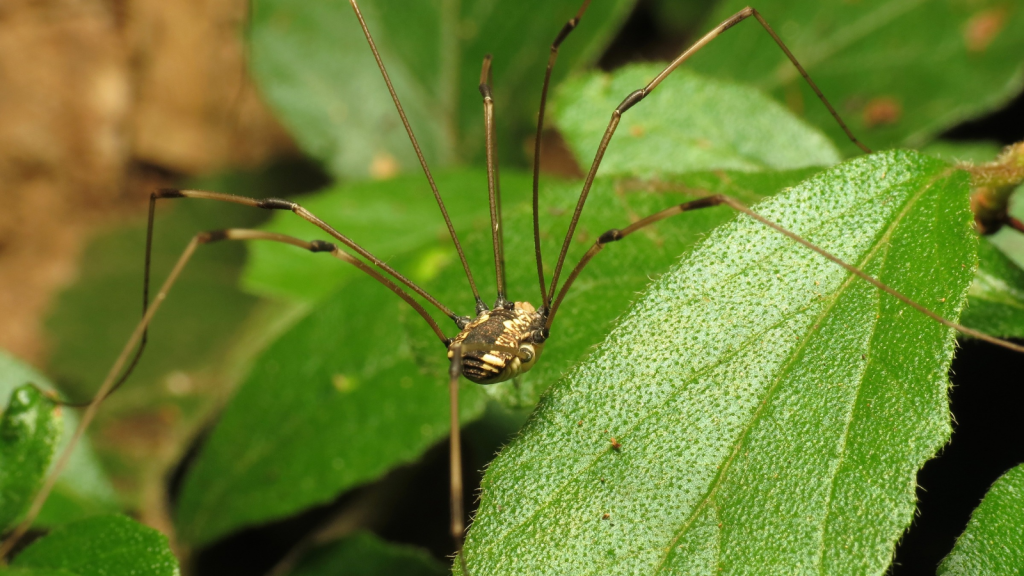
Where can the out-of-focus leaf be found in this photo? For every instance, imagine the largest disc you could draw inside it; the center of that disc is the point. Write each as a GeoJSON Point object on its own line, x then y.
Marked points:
{"type": "Point", "coordinates": [110, 545]}
{"type": "Point", "coordinates": [689, 123]}
{"type": "Point", "coordinates": [898, 72]}
{"type": "Point", "coordinates": [335, 402]}
{"type": "Point", "coordinates": [93, 319]}
{"type": "Point", "coordinates": [771, 411]}
{"type": "Point", "coordinates": [363, 554]}
{"type": "Point", "coordinates": [198, 343]}
{"type": "Point", "coordinates": [316, 70]}
{"type": "Point", "coordinates": [955, 152]}
{"type": "Point", "coordinates": [995, 304]}
{"type": "Point", "coordinates": [991, 543]}
{"type": "Point", "coordinates": [82, 489]}
{"type": "Point", "coordinates": [29, 430]}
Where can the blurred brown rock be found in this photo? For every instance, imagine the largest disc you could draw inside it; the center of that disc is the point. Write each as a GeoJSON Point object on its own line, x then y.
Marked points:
{"type": "Point", "coordinates": [100, 102]}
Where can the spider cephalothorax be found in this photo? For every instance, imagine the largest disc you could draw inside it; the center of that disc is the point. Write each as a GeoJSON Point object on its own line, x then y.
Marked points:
{"type": "Point", "coordinates": [517, 326]}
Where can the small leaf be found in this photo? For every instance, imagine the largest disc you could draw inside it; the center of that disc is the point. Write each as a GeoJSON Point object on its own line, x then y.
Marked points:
{"type": "Point", "coordinates": [29, 430]}
{"type": "Point", "coordinates": [899, 73]}
{"type": "Point", "coordinates": [991, 543]}
{"type": "Point", "coordinates": [111, 545]}
{"type": "Point", "coordinates": [995, 303]}
{"type": "Point", "coordinates": [363, 554]}
{"type": "Point", "coordinates": [771, 411]}
{"type": "Point", "coordinates": [82, 489]}
{"type": "Point", "coordinates": [689, 123]}
{"type": "Point", "coordinates": [316, 69]}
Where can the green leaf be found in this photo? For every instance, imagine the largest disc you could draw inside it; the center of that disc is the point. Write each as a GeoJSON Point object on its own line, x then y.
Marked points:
{"type": "Point", "coordinates": [35, 572]}
{"type": "Point", "coordinates": [363, 554]}
{"type": "Point", "coordinates": [954, 151]}
{"type": "Point", "coordinates": [316, 70]}
{"type": "Point", "coordinates": [899, 73]}
{"type": "Point", "coordinates": [689, 123]}
{"type": "Point", "coordinates": [29, 430]}
{"type": "Point", "coordinates": [335, 402]}
{"type": "Point", "coordinates": [303, 442]}
{"type": "Point", "coordinates": [991, 543]}
{"type": "Point", "coordinates": [111, 545]}
{"type": "Point", "coordinates": [82, 489]}
{"type": "Point", "coordinates": [996, 300]}
{"type": "Point", "coordinates": [771, 410]}
{"type": "Point", "coordinates": [104, 306]}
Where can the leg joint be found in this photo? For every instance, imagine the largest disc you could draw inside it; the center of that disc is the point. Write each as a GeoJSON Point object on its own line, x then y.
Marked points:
{"type": "Point", "coordinates": [321, 246]}
{"type": "Point", "coordinates": [275, 204]}
{"type": "Point", "coordinates": [610, 236]}
{"type": "Point", "coordinates": [167, 193]}
{"type": "Point", "coordinates": [631, 100]}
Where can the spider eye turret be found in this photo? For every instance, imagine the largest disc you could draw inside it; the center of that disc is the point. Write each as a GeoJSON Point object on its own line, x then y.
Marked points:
{"type": "Point", "coordinates": [526, 354]}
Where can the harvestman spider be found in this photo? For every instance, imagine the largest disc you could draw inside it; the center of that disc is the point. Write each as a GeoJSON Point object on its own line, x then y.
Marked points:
{"type": "Point", "coordinates": [499, 342]}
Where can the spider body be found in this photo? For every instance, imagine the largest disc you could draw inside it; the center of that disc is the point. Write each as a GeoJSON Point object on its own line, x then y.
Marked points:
{"type": "Point", "coordinates": [488, 342]}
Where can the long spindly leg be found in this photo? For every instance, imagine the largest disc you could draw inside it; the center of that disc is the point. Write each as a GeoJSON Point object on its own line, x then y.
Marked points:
{"type": "Point", "coordinates": [419, 154]}
{"type": "Point", "coordinates": [562, 35]}
{"type": "Point", "coordinates": [493, 184]}
{"type": "Point", "coordinates": [278, 204]}
{"type": "Point", "coordinates": [616, 234]}
{"type": "Point", "coordinates": [458, 523]}
{"type": "Point", "coordinates": [134, 340]}
{"type": "Point", "coordinates": [638, 95]}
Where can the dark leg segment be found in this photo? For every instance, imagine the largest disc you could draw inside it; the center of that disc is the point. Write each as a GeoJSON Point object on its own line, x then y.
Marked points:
{"type": "Point", "coordinates": [562, 35]}
{"type": "Point", "coordinates": [615, 235]}
{"type": "Point", "coordinates": [419, 153]}
{"type": "Point", "coordinates": [493, 184]}
{"type": "Point", "coordinates": [635, 97]}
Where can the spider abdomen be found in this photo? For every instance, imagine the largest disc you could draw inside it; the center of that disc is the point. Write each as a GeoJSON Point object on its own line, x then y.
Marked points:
{"type": "Point", "coordinates": [489, 340]}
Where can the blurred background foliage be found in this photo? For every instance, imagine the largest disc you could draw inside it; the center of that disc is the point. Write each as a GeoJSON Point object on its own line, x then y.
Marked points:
{"type": "Point", "coordinates": [283, 99]}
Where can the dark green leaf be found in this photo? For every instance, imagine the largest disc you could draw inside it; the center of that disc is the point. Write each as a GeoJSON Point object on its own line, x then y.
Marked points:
{"type": "Point", "coordinates": [315, 68]}
{"type": "Point", "coordinates": [93, 319]}
{"type": "Point", "coordinates": [363, 554]}
{"type": "Point", "coordinates": [771, 410]}
{"type": "Point", "coordinates": [991, 543]}
{"type": "Point", "coordinates": [110, 545]}
{"type": "Point", "coordinates": [898, 72]}
{"type": "Point", "coordinates": [689, 123]}
{"type": "Point", "coordinates": [335, 402]}
{"type": "Point", "coordinates": [82, 489]}
{"type": "Point", "coordinates": [995, 303]}
{"type": "Point", "coordinates": [29, 430]}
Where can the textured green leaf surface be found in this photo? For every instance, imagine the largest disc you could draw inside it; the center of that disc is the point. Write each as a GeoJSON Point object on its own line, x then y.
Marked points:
{"type": "Point", "coordinates": [991, 543]}
{"type": "Point", "coordinates": [771, 411]}
{"type": "Point", "coordinates": [900, 72]}
{"type": "Point", "coordinates": [995, 303]}
{"type": "Point", "coordinates": [110, 545]}
{"type": "Point", "coordinates": [364, 554]}
{"type": "Point", "coordinates": [316, 70]}
{"type": "Point", "coordinates": [29, 430]}
{"type": "Point", "coordinates": [689, 123]}
{"type": "Point", "coordinates": [83, 488]}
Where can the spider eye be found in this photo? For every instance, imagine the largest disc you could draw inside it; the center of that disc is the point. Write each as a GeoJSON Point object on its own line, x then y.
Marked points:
{"type": "Point", "coordinates": [526, 354]}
